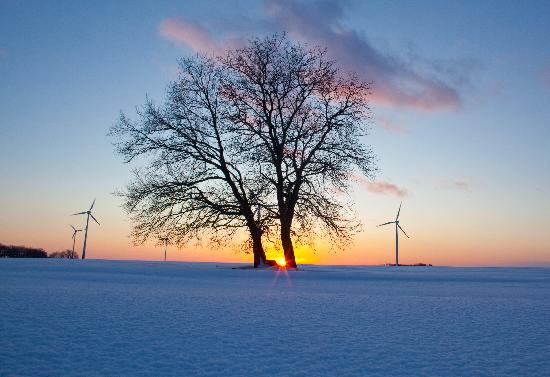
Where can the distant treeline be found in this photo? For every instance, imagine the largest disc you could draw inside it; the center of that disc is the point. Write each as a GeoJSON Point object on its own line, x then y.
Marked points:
{"type": "Point", "coordinates": [11, 251]}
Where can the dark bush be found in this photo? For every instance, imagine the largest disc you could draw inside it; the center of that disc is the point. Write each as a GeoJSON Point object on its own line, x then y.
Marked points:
{"type": "Point", "coordinates": [67, 254]}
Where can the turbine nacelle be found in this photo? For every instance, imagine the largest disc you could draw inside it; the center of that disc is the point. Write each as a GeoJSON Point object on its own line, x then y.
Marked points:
{"type": "Point", "coordinates": [75, 231]}
{"type": "Point", "coordinates": [89, 213]}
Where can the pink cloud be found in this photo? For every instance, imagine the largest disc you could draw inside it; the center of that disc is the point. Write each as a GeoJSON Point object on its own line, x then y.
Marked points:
{"type": "Point", "coordinates": [387, 188]}
{"type": "Point", "coordinates": [195, 36]}
{"type": "Point", "coordinates": [391, 126]}
{"type": "Point", "coordinates": [381, 187]}
{"type": "Point", "coordinates": [396, 83]}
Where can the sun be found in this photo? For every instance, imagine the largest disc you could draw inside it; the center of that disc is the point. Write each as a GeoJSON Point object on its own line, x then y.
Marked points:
{"type": "Point", "coordinates": [281, 262]}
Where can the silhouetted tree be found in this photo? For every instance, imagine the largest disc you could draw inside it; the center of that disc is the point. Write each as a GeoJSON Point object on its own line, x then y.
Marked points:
{"type": "Point", "coordinates": [272, 126]}
{"type": "Point", "coordinates": [12, 251]}
{"type": "Point", "coordinates": [302, 121]}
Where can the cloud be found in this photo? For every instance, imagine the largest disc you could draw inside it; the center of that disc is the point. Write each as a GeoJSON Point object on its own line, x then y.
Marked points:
{"type": "Point", "coordinates": [457, 184]}
{"type": "Point", "coordinates": [191, 34]}
{"type": "Point", "coordinates": [195, 36]}
{"type": "Point", "coordinates": [396, 83]}
{"type": "Point", "coordinates": [387, 188]}
{"type": "Point", "coordinates": [399, 83]}
{"type": "Point", "coordinates": [391, 126]}
{"type": "Point", "coordinates": [382, 187]}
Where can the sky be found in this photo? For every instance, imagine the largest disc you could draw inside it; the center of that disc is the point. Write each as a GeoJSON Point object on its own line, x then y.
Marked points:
{"type": "Point", "coordinates": [461, 128]}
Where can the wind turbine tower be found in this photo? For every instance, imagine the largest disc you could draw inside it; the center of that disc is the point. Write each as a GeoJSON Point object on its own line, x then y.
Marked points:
{"type": "Point", "coordinates": [88, 214]}
{"type": "Point", "coordinates": [165, 240]}
{"type": "Point", "coordinates": [75, 231]}
{"type": "Point", "coordinates": [397, 229]}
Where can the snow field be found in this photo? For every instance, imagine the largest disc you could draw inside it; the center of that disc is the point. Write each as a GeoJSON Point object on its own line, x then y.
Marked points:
{"type": "Point", "coordinates": [129, 318]}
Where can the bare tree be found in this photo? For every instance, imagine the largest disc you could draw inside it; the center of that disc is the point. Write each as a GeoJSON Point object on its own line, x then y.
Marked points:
{"type": "Point", "coordinates": [273, 129]}
{"type": "Point", "coordinates": [303, 122]}
{"type": "Point", "coordinates": [195, 182]}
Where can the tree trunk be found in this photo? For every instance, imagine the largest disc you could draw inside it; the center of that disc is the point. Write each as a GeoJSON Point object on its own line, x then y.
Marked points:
{"type": "Point", "coordinates": [258, 250]}
{"type": "Point", "coordinates": [288, 248]}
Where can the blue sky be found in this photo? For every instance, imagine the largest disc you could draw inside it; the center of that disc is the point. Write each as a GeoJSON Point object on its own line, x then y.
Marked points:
{"type": "Point", "coordinates": [461, 103]}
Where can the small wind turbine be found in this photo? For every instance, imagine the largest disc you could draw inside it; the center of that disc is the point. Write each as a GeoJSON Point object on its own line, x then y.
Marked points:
{"type": "Point", "coordinates": [89, 214]}
{"type": "Point", "coordinates": [165, 240]}
{"type": "Point", "coordinates": [75, 231]}
{"type": "Point", "coordinates": [397, 228]}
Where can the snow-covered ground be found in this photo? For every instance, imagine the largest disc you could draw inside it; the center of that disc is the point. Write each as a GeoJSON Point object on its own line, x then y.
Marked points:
{"type": "Point", "coordinates": [121, 318]}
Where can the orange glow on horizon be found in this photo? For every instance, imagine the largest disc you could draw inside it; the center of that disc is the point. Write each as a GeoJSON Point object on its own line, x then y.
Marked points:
{"type": "Point", "coordinates": [371, 247]}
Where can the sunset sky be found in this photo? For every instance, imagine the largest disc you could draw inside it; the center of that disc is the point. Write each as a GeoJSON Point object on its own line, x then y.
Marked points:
{"type": "Point", "coordinates": [461, 129]}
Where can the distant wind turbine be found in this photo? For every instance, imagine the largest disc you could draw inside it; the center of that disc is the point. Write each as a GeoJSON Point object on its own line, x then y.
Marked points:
{"type": "Point", "coordinates": [75, 231]}
{"type": "Point", "coordinates": [165, 240]}
{"type": "Point", "coordinates": [397, 228]}
{"type": "Point", "coordinates": [89, 214]}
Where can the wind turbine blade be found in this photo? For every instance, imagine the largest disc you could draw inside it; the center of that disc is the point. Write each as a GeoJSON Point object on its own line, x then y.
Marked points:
{"type": "Point", "coordinates": [391, 222]}
{"type": "Point", "coordinates": [92, 206]}
{"type": "Point", "coordinates": [403, 231]}
{"type": "Point", "coordinates": [95, 219]}
{"type": "Point", "coordinates": [398, 211]}
{"type": "Point", "coordinates": [80, 213]}
{"type": "Point", "coordinates": [72, 227]}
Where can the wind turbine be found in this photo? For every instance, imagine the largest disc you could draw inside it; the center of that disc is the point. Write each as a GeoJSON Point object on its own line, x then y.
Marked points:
{"type": "Point", "coordinates": [89, 214]}
{"type": "Point", "coordinates": [165, 240]}
{"type": "Point", "coordinates": [75, 231]}
{"type": "Point", "coordinates": [397, 228]}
